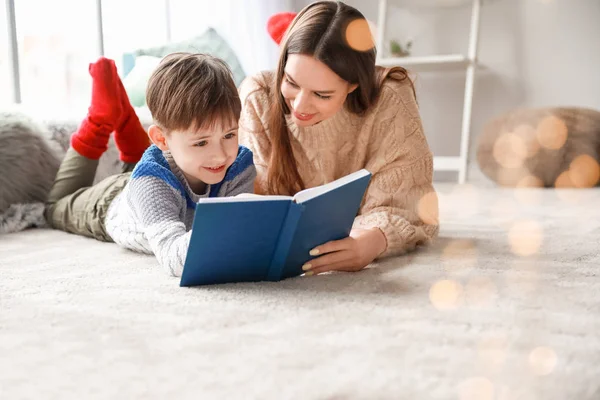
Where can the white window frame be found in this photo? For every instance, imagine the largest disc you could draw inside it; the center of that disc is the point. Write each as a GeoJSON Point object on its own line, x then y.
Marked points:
{"type": "Point", "coordinates": [13, 45]}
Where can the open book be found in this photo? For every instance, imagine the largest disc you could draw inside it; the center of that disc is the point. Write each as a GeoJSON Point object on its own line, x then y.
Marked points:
{"type": "Point", "coordinates": [245, 239]}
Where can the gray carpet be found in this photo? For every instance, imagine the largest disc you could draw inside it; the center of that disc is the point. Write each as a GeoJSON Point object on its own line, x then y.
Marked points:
{"type": "Point", "coordinates": [505, 305]}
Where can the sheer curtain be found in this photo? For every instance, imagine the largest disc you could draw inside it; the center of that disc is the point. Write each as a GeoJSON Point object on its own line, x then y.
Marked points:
{"type": "Point", "coordinates": [6, 89]}
{"type": "Point", "coordinates": [243, 24]}
{"type": "Point", "coordinates": [125, 30]}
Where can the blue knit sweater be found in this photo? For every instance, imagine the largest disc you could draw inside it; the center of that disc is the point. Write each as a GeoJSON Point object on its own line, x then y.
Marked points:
{"type": "Point", "coordinates": [155, 211]}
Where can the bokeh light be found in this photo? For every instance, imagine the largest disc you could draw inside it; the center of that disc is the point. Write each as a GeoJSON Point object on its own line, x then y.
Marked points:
{"type": "Point", "coordinates": [522, 278]}
{"type": "Point", "coordinates": [542, 361]}
{"type": "Point", "coordinates": [358, 35]}
{"type": "Point", "coordinates": [563, 181]}
{"type": "Point", "coordinates": [477, 388]}
{"type": "Point", "coordinates": [446, 295]}
{"type": "Point", "coordinates": [480, 292]}
{"type": "Point", "coordinates": [492, 350]}
{"type": "Point", "coordinates": [512, 176]}
{"type": "Point", "coordinates": [584, 171]}
{"type": "Point", "coordinates": [552, 133]}
{"type": "Point", "coordinates": [528, 190]}
{"type": "Point", "coordinates": [503, 212]}
{"type": "Point", "coordinates": [529, 136]}
{"type": "Point", "coordinates": [529, 196]}
{"type": "Point", "coordinates": [530, 181]}
{"type": "Point", "coordinates": [466, 194]}
{"type": "Point", "coordinates": [570, 196]}
{"type": "Point", "coordinates": [428, 208]}
{"type": "Point", "coordinates": [510, 150]}
{"type": "Point", "coordinates": [525, 237]}
{"type": "Point", "coordinates": [459, 254]}
{"type": "Point", "coordinates": [506, 393]}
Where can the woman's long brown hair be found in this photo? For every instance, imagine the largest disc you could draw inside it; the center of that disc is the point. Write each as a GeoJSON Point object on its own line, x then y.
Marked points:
{"type": "Point", "coordinates": [319, 30]}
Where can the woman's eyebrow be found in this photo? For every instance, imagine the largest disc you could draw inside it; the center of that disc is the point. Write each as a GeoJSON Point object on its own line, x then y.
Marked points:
{"type": "Point", "coordinates": [316, 91]}
{"type": "Point", "coordinates": [289, 77]}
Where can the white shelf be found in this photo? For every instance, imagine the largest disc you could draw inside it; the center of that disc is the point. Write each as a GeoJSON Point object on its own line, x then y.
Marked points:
{"type": "Point", "coordinates": [447, 163]}
{"type": "Point", "coordinates": [429, 4]}
{"type": "Point", "coordinates": [442, 62]}
{"type": "Point", "coordinates": [427, 63]}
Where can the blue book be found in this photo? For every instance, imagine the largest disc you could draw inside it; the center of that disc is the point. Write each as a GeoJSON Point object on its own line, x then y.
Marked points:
{"type": "Point", "coordinates": [257, 238]}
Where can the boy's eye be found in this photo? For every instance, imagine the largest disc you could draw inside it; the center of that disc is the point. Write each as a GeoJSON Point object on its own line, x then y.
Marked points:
{"type": "Point", "coordinates": [230, 135]}
{"type": "Point", "coordinates": [201, 143]}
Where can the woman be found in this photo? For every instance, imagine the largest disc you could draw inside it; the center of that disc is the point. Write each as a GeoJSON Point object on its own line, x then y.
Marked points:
{"type": "Point", "coordinates": [329, 111]}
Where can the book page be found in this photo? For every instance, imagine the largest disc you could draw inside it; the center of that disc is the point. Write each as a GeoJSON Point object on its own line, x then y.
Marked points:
{"type": "Point", "coordinates": [243, 198]}
{"type": "Point", "coordinates": [311, 193]}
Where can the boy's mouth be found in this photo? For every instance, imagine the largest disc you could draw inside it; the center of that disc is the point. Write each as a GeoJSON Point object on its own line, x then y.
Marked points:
{"type": "Point", "coordinates": [215, 170]}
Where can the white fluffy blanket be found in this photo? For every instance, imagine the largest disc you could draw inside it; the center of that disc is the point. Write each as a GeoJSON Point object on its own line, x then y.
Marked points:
{"type": "Point", "coordinates": [22, 216]}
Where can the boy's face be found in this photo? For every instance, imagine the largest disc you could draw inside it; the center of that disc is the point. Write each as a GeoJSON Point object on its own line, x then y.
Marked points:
{"type": "Point", "coordinates": [204, 155]}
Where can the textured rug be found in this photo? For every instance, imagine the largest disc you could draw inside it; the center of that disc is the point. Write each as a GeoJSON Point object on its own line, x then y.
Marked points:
{"type": "Point", "coordinates": [505, 305]}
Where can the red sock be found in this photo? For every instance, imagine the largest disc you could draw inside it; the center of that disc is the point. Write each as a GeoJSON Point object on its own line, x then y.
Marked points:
{"type": "Point", "coordinates": [130, 136]}
{"type": "Point", "coordinates": [91, 139]}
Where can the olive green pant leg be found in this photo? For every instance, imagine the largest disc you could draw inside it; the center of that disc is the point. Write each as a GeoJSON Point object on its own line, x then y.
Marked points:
{"type": "Point", "coordinates": [74, 205]}
{"type": "Point", "coordinates": [75, 172]}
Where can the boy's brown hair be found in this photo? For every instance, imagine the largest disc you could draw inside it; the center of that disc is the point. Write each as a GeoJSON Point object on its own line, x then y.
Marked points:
{"type": "Point", "coordinates": [192, 91]}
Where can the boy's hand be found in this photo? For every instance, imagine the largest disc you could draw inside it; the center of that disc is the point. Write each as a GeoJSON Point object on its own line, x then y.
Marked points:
{"type": "Point", "coordinates": [350, 254]}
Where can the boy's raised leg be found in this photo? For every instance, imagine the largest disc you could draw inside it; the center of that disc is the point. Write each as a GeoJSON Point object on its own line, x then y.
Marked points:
{"type": "Point", "coordinates": [130, 136]}
{"type": "Point", "coordinates": [69, 200]}
{"type": "Point", "coordinates": [78, 168]}
{"type": "Point", "coordinates": [91, 139]}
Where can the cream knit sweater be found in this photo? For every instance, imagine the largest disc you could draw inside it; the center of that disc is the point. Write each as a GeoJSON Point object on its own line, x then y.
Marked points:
{"type": "Point", "coordinates": [388, 141]}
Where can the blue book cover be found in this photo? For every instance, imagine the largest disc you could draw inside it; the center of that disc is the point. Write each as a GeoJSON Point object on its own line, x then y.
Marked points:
{"type": "Point", "coordinates": [256, 238]}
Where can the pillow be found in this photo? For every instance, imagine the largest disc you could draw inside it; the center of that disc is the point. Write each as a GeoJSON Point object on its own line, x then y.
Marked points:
{"type": "Point", "coordinates": [210, 42]}
{"type": "Point", "coordinates": [137, 80]}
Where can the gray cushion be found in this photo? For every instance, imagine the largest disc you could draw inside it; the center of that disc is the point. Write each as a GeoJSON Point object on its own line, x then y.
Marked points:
{"type": "Point", "coordinates": [30, 154]}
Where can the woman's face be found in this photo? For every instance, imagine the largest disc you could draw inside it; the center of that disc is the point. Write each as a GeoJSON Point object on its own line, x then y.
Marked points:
{"type": "Point", "coordinates": [312, 91]}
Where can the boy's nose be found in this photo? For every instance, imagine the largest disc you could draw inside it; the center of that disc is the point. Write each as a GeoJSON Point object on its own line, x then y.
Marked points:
{"type": "Point", "coordinates": [219, 155]}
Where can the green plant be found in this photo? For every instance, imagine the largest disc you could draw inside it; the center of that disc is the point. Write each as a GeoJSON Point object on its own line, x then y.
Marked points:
{"type": "Point", "coordinates": [398, 50]}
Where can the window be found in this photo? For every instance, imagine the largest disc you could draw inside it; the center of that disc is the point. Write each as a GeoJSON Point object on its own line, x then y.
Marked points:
{"type": "Point", "coordinates": [133, 24]}
{"type": "Point", "coordinates": [192, 18]}
{"type": "Point", "coordinates": [57, 40]}
{"type": "Point", "coordinates": [243, 25]}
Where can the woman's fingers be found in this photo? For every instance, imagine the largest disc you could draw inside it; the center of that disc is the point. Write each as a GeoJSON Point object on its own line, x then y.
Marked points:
{"type": "Point", "coordinates": [329, 247]}
{"type": "Point", "coordinates": [339, 266]}
{"type": "Point", "coordinates": [328, 259]}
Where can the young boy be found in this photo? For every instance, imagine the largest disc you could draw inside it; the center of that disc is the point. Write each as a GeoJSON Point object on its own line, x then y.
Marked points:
{"type": "Point", "coordinates": [195, 107]}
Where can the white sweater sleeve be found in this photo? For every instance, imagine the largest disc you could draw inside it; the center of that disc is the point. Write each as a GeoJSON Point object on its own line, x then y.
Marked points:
{"type": "Point", "coordinates": [159, 209]}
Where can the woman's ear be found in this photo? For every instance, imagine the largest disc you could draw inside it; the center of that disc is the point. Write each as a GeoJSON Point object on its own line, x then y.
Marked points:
{"type": "Point", "coordinates": [158, 137]}
{"type": "Point", "coordinates": [352, 88]}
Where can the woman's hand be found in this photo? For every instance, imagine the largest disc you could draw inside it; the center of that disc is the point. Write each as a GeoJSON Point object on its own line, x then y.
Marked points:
{"type": "Point", "coordinates": [350, 254]}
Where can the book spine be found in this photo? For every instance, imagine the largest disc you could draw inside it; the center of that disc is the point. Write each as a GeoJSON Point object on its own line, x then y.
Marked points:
{"type": "Point", "coordinates": [285, 242]}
